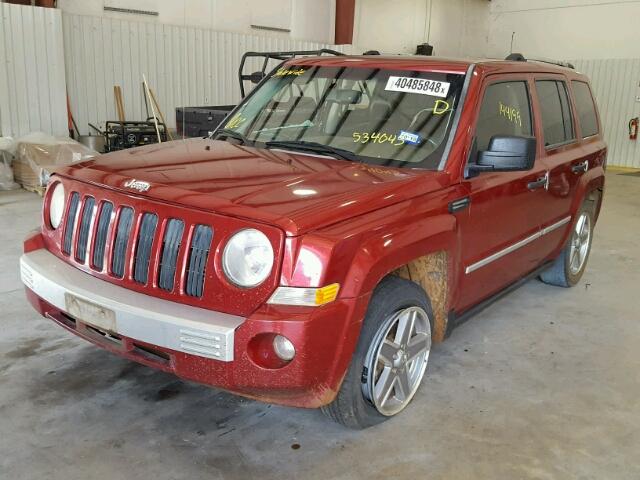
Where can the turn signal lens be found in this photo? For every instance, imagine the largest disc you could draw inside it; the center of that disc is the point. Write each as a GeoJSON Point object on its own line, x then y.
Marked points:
{"type": "Point", "coordinates": [327, 294]}
{"type": "Point", "coordinates": [309, 297]}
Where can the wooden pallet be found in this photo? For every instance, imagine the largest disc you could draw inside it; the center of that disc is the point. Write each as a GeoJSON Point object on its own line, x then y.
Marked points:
{"type": "Point", "coordinates": [34, 189]}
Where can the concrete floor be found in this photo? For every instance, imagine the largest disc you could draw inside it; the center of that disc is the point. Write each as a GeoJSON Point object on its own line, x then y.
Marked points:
{"type": "Point", "coordinates": [545, 384]}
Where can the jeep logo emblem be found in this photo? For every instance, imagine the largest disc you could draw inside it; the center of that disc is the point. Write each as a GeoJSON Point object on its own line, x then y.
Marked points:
{"type": "Point", "coordinates": [137, 185]}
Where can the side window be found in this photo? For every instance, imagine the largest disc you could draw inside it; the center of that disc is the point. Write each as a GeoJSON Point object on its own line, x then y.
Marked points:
{"type": "Point", "coordinates": [505, 110]}
{"type": "Point", "coordinates": [557, 123]}
{"type": "Point", "coordinates": [586, 108]}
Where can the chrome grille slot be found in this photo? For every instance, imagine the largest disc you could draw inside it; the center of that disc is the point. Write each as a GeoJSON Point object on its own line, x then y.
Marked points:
{"type": "Point", "coordinates": [101, 235]}
{"type": "Point", "coordinates": [169, 256]}
{"type": "Point", "coordinates": [123, 231]}
{"type": "Point", "coordinates": [143, 247]}
{"type": "Point", "coordinates": [199, 253]}
{"type": "Point", "coordinates": [85, 225]}
{"type": "Point", "coordinates": [71, 223]}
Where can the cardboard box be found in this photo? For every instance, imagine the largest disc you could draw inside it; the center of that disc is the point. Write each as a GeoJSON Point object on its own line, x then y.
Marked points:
{"type": "Point", "coordinates": [39, 155]}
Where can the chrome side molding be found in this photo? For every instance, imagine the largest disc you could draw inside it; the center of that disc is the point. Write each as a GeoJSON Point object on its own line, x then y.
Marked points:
{"type": "Point", "coordinates": [512, 248]}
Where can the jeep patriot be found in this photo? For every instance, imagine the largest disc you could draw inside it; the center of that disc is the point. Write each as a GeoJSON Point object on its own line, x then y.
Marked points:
{"type": "Point", "coordinates": [350, 212]}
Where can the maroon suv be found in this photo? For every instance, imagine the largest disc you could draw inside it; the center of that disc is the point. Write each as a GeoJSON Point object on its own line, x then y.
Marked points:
{"type": "Point", "coordinates": [350, 212]}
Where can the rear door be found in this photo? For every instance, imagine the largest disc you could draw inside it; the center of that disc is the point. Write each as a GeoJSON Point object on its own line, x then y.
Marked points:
{"type": "Point", "coordinates": [501, 226]}
{"type": "Point", "coordinates": [560, 153]}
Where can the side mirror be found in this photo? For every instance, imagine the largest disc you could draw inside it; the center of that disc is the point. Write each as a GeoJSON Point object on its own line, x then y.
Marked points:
{"type": "Point", "coordinates": [506, 153]}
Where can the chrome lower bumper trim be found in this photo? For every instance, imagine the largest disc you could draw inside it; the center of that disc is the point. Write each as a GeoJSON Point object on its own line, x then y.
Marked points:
{"type": "Point", "coordinates": [183, 328]}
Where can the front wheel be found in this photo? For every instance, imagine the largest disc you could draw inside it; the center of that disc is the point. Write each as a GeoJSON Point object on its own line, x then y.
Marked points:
{"type": "Point", "coordinates": [390, 359]}
{"type": "Point", "coordinates": [569, 266]}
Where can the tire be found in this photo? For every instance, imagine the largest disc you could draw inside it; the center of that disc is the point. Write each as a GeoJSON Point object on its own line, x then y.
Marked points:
{"type": "Point", "coordinates": [566, 271]}
{"type": "Point", "coordinates": [395, 304]}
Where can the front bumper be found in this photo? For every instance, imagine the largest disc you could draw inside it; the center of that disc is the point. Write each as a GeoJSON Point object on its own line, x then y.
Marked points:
{"type": "Point", "coordinates": [196, 344]}
{"type": "Point", "coordinates": [126, 313]}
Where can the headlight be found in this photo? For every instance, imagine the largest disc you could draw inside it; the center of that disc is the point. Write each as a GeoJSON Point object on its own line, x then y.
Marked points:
{"type": "Point", "coordinates": [56, 205]}
{"type": "Point", "coordinates": [248, 258]}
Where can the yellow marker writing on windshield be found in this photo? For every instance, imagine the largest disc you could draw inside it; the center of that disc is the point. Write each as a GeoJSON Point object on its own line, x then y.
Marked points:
{"type": "Point", "coordinates": [235, 122]}
{"type": "Point", "coordinates": [376, 137]}
{"type": "Point", "coordinates": [441, 107]}
{"type": "Point", "coordinates": [283, 72]}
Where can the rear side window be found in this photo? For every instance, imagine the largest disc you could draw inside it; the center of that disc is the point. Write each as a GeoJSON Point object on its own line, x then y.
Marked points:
{"type": "Point", "coordinates": [505, 110]}
{"type": "Point", "coordinates": [586, 109]}
{"type": "Point", "coordinates": [557, 124]}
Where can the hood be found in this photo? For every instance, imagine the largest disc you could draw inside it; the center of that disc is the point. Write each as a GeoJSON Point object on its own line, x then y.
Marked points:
{"type": "Point", "coordinates": [297, 192]}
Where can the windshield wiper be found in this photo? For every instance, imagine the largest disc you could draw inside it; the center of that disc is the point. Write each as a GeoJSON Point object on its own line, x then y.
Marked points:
{"type": "Point", "coordinates": [225, 132]}
{"type": "Point", "coordinates": [314, 147]}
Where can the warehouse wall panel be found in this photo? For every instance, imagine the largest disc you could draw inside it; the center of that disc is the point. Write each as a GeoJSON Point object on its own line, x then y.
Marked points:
{"type": "Point", "coordinates": [572, 29]}
{"type": "Point", "coordinates": [32, 75]}
{"type": "Point", "coordinates": [185, 66]}
{"type": "Point", "coordinates": [615, 84]}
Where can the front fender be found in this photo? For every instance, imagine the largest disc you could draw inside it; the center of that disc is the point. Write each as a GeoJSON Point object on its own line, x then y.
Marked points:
{"type": "Point", "coordinates": [381, 253]}
{"type": "Point", "coordinates": [405, 239]}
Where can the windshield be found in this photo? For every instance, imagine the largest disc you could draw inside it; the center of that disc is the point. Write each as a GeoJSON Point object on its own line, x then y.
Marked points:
{"type": "Point", "coordinates": [397, 118]}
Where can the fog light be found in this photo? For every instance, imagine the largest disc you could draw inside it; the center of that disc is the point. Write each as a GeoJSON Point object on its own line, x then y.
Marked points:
{"type": "Point", "coordinates": [284, 348]}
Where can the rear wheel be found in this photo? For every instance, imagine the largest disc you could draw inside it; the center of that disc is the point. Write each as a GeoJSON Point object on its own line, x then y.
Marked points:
{"type": "Point", "coordinates": [390, 359]}
{"type": "Point", "coordinates": [569, 266]}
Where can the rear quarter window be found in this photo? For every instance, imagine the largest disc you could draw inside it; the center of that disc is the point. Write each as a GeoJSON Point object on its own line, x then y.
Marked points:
{"type": "Point", "coordinates": [505, 110]}
{"type": "Point", "coordinates": [586, 109]}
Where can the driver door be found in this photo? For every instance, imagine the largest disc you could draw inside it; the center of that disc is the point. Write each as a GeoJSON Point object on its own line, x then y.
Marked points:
{"type": "Point", "coordinates": [498, 231]}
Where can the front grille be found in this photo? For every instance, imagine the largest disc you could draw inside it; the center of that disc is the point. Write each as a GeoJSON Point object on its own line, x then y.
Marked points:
{"type": "Point", "coordinates": [198, 256]}
{"type": "Point", "coordinates": [85, 225]}
{"type": "Point", "coordinates": [109, 240]}
{"type": "Point", "coordinates": [71, 222]}
{"type": "Point", "coordinates": [170, 247]}
{"type": "Point", "coordinates": [143, 249]}
{"type": "Point", "coordinates": [123, 231]}
{"type": "Point", "coordinates": [101, 235]}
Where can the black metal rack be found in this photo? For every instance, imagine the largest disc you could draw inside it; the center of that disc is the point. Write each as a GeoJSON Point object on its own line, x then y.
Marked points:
{"type": "Point", "coordinates": [256, 77]}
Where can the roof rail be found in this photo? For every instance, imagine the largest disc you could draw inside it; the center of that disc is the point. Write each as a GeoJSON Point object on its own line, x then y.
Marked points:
{"type": "Point", "coordinates": [518, 57]}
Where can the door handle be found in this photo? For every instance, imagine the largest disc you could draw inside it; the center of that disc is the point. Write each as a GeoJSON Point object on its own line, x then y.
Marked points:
{"type": "Point", "coordinates": [542, 182]}
{"type": "Point", "coordinates": [580, 167]}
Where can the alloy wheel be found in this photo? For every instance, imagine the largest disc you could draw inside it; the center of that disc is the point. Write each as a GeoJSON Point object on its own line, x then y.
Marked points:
{"type": "Point", "coordinates": [580, 243]}
{"type": "Point", "coordinates": [397, 359]}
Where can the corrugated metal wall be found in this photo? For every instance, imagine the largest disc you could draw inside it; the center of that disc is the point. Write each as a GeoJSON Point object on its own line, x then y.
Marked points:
{"type": "Point", "coordinates": [615, 85]}
{"type": "Point", "coordinates": [185, 66]}
{"type": "Point", "coordinates": [32, 79]}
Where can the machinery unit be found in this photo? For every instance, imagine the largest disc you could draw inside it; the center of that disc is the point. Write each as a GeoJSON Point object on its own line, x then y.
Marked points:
{"type": "Point", "coordinates": [121, 135]}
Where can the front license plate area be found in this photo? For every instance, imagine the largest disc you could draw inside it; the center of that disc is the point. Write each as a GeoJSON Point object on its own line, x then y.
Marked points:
{"type": "Point", "coordinates": [90, 313]}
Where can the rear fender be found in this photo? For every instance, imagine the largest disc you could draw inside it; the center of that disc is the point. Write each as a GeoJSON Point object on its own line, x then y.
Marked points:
{"type": "Point", "coordinates": [591, 186]}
